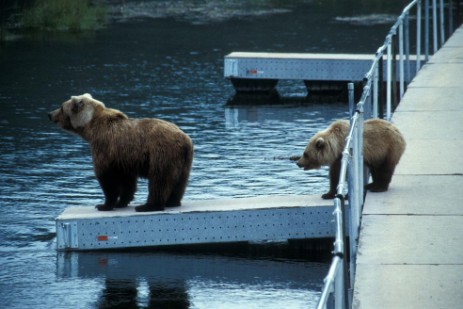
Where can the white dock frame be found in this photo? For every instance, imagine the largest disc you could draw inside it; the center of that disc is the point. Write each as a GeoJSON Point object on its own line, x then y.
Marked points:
{"type": "Point", "coordinates": [307, 67]}
{"type": "Point", "coordinates": [254, 219]}
{"type": "Point", "coordinates": [318, 67]}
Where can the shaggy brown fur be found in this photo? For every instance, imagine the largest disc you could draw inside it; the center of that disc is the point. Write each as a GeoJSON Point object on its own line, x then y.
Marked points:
{"type": "Point", "coordinates": [383, 145]}
{"type": "Point", "coordinates": [124, 149]}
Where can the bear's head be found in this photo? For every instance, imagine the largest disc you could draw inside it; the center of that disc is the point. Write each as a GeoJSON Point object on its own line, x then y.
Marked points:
{"type": "Point", "coordinates": [325, 147]}
{"type": "Point", "coordinates": [316, 154]}
{"type": "Point", "coordinates": [76, 113]}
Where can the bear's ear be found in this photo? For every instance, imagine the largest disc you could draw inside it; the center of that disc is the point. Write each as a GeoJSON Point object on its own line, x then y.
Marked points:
{"type": "Point", "coordinates": [338, 129]}
{"type": "Point", "coordinates": [77, 104]}
{"type": "Point", "coordinates": [320, 143]}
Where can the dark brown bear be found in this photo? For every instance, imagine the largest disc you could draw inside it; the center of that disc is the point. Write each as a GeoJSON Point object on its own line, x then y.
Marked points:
{"type": "Point", "coordinates": [383, 145]}
{"type": "Point", "coordinates": [124, 149]}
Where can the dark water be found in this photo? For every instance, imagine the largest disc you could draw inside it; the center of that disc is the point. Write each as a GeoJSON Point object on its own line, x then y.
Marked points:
{"type": "Point", "coordinates": [169, 68]}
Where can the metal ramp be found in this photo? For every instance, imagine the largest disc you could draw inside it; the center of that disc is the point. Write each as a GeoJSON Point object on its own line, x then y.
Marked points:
{"type": "Point", "coordinates": [273, 218]}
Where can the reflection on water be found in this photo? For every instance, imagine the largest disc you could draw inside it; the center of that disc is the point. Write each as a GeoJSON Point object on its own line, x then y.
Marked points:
{"type": "Point", "coordinates": [169, 68]}
{"type": "Point", "coordinates": [169, 280]}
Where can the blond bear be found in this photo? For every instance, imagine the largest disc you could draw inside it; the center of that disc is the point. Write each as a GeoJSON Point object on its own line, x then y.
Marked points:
{"type": "Point", "coordinates": [383, 145]}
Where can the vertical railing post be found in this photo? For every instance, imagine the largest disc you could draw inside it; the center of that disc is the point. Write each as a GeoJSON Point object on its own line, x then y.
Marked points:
{"type": "Point", "coordinates": [339, 288]}
{"type": "Point", "coordinates": [389, 78]}
{"type": "Point", "coordinates": [367, 103]}
{"type": "Point", "coordinates": [418, 36]}
{"type": "Point", "coordinates": [346, 275]}
{"type": "Point", "coordinates": [407, 48]}
{"type": "Point", "coordinates": [401, 60]}
{"type": "Point", "coordinates": [352, 168]}
{"type": "Point", "coordinates": [434, 25]}
{"type": "Point", "coordinates": [353, 185]}
{"type": "Point", "coordinates": [356, 195]}
{"type": "Point", "coordinates": [376, 87]}
{"type": "Point", "coordinates": [395, 82]}
{"type": "Point", "coordinates": [340, 282]}
{"type": "Point", "coordinates": [351, 98]}
{"type": "Point", "coordinates": [442, 22]}
{"type": "Point", "coordinates": [361, 174]}
{"type": "Point", "coordinates": [381, 93]}
{"type": "Point", "coordinates": [426, 30]}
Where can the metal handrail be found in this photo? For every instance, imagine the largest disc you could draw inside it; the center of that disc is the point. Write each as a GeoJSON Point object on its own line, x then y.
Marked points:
{"type": "Point", "coordinates": [340, 278]}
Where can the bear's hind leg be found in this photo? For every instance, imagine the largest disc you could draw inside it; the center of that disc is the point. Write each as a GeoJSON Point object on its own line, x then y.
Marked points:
{"type": "Point", "coordinates": [374, 177]}
{"type": "Point", "coordinates": [158, 191]}
{"type": "Point", "coordinates": [382, 176]}
{"type": "Point", "coordinates": [175, 198]}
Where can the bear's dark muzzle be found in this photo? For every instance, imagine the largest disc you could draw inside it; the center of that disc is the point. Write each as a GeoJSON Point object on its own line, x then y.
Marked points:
{"type": "Point", "coordinates": [53, 116]}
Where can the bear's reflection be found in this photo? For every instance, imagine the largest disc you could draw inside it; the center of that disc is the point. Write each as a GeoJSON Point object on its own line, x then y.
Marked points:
{"type": "Point", "coordinates": [122, 294]}
{"type": "Point", "coordinates": [172, 278]}
{"type": "Point", "coordinates": [119, 294]}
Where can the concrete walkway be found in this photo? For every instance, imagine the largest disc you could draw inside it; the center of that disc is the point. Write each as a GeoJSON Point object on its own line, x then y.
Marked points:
{"type": "Point", "coordinates": [411, 241]}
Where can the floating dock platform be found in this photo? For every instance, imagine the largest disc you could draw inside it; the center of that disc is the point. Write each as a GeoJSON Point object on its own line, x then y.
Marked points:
{"type": "Point", "coordinates": [331, 67]}
{"type": "Point", "coordinates": [254, 219]}
{"type": "Point", "coordinates": [260, 72]}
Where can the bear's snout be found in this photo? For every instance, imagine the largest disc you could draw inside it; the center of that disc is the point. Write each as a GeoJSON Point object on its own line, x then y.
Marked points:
{"type": "Point", "coordinates": [53, 115]}
{"type": "Point", "coordinates": [301, 165]}
{"type": "Point", "coordinates": [306, 164]}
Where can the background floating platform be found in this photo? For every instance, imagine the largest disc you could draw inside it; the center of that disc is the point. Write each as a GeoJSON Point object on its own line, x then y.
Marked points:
{"type": "Point", "coordinates": [323, 74]}
{"type": "Point", "coordinates": [263, 218]}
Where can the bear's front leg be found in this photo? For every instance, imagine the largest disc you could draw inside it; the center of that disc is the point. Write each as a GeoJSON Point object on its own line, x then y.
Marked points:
{"type": "Point", "coordinates": [104, 207]}
{"type": "Point", "coordinates": [335, 170]}
{"type": "Point", "coordinates": [127, 189]}
{"type": "Point", "coordinates": [110, 190]}
{"type": "Point", "coordinates": [328, 195]}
